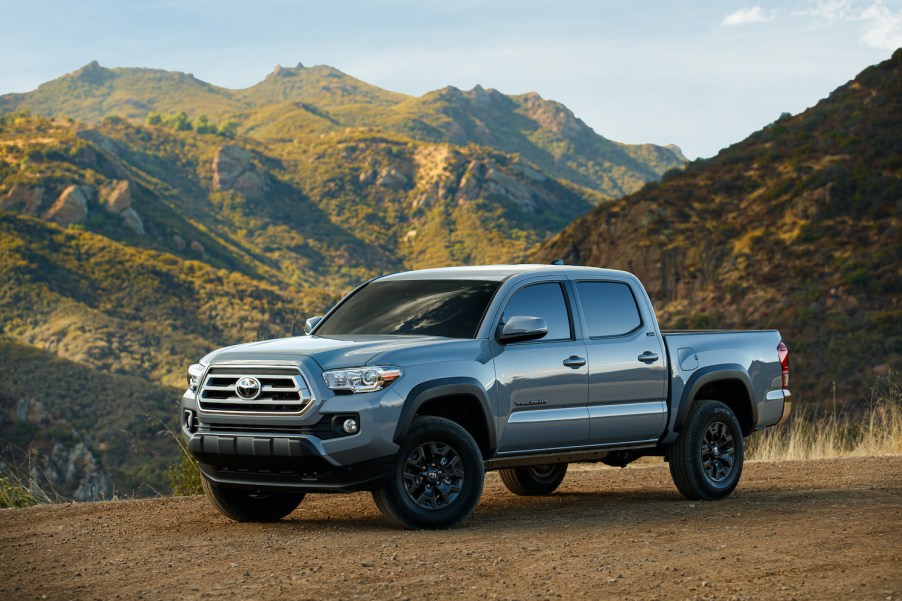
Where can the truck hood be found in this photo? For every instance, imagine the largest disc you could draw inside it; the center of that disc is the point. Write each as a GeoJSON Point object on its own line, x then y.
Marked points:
{"type": "Point", "coordinates": [330, 353]}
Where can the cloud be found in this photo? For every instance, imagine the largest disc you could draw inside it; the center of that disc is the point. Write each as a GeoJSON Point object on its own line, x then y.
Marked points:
{"type": "Point", "coordinates": [883, 27]}
{"type": "Point", "coordinates": [830, 11]}
{"type": "Point", "coordinates": [744, 16]}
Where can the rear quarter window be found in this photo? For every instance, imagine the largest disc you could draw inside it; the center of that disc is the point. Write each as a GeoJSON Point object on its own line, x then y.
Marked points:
{"type": "Point", "coordinates": [610, 308]}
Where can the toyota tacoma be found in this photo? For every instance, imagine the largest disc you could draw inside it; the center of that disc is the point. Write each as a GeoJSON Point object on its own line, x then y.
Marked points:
{"type": "Point", "coordinates": [415, 384]}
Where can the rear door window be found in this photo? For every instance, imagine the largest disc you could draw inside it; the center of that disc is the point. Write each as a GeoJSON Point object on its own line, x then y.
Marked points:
{"type": "Point", "coordinates": [609, 307]}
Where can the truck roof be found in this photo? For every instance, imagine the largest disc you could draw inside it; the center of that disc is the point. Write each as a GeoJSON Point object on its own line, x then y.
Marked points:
{"type": "Point", "coordinates": [498, 272]}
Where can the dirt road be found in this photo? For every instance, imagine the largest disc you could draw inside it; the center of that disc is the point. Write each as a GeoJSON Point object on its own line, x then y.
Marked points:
{"type": "Point", "coordinates": [815, 530]}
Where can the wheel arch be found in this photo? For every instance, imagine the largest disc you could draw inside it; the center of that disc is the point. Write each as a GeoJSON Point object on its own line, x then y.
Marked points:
{"type": "Point", "coordinates": [730, 384]}
{"type": "Point", "coordinates": [462, 400]}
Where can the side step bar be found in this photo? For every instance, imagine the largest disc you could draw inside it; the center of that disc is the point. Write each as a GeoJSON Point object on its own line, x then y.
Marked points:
{"type": "Point", "coordinates": [497, 463]}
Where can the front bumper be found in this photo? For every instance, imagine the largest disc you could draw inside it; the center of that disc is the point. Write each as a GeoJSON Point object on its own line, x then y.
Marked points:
{"type": "Point", "coordinates": [280, 463]}
{"type": "Point", "coordinates": [303, 452]}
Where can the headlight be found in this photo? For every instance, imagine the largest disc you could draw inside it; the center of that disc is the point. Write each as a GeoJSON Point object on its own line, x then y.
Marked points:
{"type": "Point", "coordinates": [361, 379]}
{"type": "Point", "coordinates": [195, 373]}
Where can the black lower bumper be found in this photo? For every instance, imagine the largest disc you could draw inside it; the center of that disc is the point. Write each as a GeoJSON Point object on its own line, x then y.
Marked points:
{"type": "Point", "coordinates": [280, 463]}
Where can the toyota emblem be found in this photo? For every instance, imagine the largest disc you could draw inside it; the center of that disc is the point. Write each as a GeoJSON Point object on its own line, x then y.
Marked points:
{"type": "Point", "coordinates": [248, 388]}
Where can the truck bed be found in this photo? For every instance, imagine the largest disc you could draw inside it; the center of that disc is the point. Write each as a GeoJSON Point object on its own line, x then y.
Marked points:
{"type": "Point", "coordinates": [750, 355]}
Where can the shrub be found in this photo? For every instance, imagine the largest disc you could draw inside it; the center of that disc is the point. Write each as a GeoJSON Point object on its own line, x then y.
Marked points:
{"type": "Point", "coordinates": [13, 494]}
{"type": "Point", "coordinates": [184, 476]}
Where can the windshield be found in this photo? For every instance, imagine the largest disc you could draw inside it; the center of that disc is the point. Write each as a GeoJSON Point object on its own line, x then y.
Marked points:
{"type": "Point", "coordinates": [450, 308]}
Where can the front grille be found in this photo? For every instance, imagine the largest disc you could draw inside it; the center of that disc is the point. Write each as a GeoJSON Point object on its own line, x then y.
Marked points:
{"type": "Point", "coordinates": [283, 390]}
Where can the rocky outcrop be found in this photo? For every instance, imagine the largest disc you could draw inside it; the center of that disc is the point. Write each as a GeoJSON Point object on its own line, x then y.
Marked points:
{"type": "Point", "coordinates": [118, 196]}
{"type": "Point", "coordinates": [677, 151]}
{"type": "Point", "coordinates": [233, 170]}
{"type": "Point", "coordinates": [117, 199]}
{"type": "Point", "coordinates": [132, 221]}
{"type": "Point", "coordinates": [71, 206]}
{"type": "Point", "coordinates": [23, 199]}
{"type": "Point", "coordinates": [74, 468]}
{"type": "Point", "coordinates": [66, 468]}
{"type": "Point", "coordinates": [483, 180]}
{"type": "Point", "coordinates": [553, 116]}
{"type": "Point", "coordinates": [391, 178]}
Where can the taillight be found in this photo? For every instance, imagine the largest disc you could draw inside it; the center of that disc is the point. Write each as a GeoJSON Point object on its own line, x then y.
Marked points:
{"type": "Point", "coordinates": [783, 354]}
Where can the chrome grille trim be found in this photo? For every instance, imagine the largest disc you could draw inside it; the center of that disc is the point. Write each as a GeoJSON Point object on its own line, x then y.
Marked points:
{"type": "Point", "coordinates": [284, 391]}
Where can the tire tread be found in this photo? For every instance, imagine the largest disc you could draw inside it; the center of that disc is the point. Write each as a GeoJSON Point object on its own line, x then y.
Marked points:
{"type": "Point", "coordinates": [520, 481]}
{"type": "Point", "coordinates": [682, 456]}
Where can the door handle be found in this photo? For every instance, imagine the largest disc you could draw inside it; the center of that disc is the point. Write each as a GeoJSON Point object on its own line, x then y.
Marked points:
{"type": "Point", "coordinates": [648, 357]}
{"type": "Point", "coordinates": [574, 362]}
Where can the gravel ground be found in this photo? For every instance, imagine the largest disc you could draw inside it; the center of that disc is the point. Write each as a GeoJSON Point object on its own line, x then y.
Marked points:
{"type": "Point", "coordinates": [796, 530]}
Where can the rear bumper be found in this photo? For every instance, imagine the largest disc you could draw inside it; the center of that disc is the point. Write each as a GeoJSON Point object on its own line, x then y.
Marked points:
{"type": "Point", "coordinates": [787, 406]}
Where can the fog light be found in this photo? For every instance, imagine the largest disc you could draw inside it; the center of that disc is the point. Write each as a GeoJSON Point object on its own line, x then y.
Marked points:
{"type": "Point", "coordinates": [350, 426]}
{"type": "Point", "coordinates": [189, 420]}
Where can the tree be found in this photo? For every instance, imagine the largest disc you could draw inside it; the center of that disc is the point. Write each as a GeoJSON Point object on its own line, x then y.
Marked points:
{"type": "Point", "coordinates": [203, 125]}
{"type": "Point", "coordinates": [178, 121]}
{"type": "Point", "coordinates": [228, 129]}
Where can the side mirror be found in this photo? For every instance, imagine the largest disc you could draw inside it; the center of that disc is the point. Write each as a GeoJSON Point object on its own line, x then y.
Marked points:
{"type": "Point", "coordinates": [311, 323]}
{"type": "Point", "coordinates": [521, 328]}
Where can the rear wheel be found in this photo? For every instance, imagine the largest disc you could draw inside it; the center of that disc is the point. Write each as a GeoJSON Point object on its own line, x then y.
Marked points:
{"type": "Point", "coordinates": [251, 506]}
{"type": "Point", "coordinates": [706, 460]}
{"type": "Point", "coordinates": [535, 479]}
{"type": "Point", "coordinates": [437, 478]}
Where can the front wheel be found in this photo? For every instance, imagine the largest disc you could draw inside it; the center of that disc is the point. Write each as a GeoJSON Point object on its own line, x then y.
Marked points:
{"type": "Point", "coordinates": [251, 506]}
{"type": "Point", "coordinates": [706, 460]}
{"type": "Point", "coordinates": [437, 477]}
{"type": "Point", "coordinates": [535, 479]}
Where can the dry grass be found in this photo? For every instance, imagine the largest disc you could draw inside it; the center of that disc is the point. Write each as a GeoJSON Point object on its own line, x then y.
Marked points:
{"type": "Point", "coordinates": [809, 434]}
{"type": "Point", "coordinates": [22, 482]}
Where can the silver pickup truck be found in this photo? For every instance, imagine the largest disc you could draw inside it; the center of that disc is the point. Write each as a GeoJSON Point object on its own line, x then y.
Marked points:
{"type": "Point", "coordinates": [416, 383]}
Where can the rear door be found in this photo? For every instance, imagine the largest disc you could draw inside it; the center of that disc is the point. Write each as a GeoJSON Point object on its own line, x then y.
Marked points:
{"type": "Point", "coordinates": [543, 384]}
{"type": "Point", "coordinates": [627, 374]}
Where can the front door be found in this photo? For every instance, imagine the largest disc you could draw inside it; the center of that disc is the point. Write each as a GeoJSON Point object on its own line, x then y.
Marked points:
{"type": "Point", "coordinates": [543, 384]}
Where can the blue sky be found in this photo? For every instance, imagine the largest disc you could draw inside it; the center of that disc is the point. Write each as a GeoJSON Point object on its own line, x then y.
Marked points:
{"type": "Point", "coordinates": [702, 75]}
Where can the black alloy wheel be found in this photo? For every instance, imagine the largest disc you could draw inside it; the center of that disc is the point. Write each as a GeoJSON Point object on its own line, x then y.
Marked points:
{"type": "Point", "coordinates": [437, 478]}
{"type": "Point", "coordinates": [718, 451]}
{"type": "Point", "coordinates": [433, 475]}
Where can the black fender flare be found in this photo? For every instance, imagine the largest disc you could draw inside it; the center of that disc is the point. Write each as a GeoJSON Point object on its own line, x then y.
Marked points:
{"type": "Point", "coordinates": [433, 389]}
{"type": "Point", "coordinates": [707, 375]}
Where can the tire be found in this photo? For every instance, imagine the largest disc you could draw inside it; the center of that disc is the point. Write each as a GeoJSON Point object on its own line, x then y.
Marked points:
{"type": "Point", "coordinates": [437, 477]}
{"type": "Point", "coordinates": [534, 480]}
{"type": "Point", "coordinates": [249, 506]}
{"type": "Point", "coordinates": [706, 460]}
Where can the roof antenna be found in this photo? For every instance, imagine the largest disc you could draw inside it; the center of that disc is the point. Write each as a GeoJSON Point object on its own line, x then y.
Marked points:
{"type": "Point", "coordinates": [557, 262]}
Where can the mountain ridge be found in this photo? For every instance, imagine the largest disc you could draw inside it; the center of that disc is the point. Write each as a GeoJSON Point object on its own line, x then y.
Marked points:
{"type": "Point", "coordinates": [797, 227]}
{"type": "Point", "coordinates": [544, 131]}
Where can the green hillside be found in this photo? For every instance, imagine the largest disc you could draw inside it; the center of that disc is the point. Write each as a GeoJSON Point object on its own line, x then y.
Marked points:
{"type": "Point", "coordinates": [797, 228]}
{"type": "Point", "coordinates": [293, 103]}
{"type": "Point", "coordinates": [128, 250]}
{"type": "Point", "coordinates": [326, 214]}
{"type": "Point", "coordinates": [91, 434]}
{"type": "Point", "coordinates": [95, 338]}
